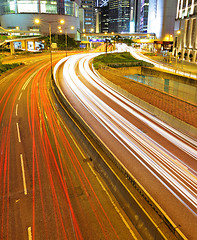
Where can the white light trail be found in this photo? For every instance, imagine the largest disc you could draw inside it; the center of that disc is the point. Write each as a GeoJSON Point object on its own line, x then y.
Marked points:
{"type": "Point", "coordinates": [159, 161]}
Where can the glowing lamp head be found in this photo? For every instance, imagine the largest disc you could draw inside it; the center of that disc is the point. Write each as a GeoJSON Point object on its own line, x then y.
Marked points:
{"type": "Point", "coordinates": [37, 21]}
{"type": "Point", "coordinates": [62, 21]}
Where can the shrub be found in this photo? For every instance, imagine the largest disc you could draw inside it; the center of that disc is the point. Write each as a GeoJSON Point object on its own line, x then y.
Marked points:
{"type": "Point", "coordinates": [6, 67]}
{"type": "Point", "coordinates": [117, 60]}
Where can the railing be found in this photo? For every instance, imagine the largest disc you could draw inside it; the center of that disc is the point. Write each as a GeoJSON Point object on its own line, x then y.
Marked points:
{"type": "Point", "coordinates": [163, 66]}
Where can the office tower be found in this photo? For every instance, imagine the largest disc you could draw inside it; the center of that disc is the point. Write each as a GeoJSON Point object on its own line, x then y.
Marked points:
{"type": "Point", "coordinates": [185, 43]}
{"type": "Point", "coordinates": [89, 15]}
{"type": "Point", "coordinates": [105, 18]}
{"type": "Point", "coordinates": [137, 12]}
{"type": "Point", "coordinates": [161, 18]}
{"type": "Point", "coordinates": [119, 15]}
{"type": "Point", "coordinates": [144, 7]}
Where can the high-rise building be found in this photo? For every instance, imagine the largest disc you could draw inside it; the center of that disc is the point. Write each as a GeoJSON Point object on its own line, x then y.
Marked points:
{"type": "Point", "coordinates": [161, 18]}
{"type": "Point", "coordinates": [105, 18]}
{"type": "Point", "coordinates": [89, 15]}
{"type": "Point", "coordinates": [185, 43]}
{"type": "Point", "coordinates": [22, 13]}
{"type": "Point", "coordinates": [119, 15]}
{"type": "Point", "coordinates": [144, 7]}
{"type": "Point", "coordinates": [133, 15]}
{"type": "Point", "coordinates": [137, 12]}
{"type": "Point", "coordinates": [102, 18]}
{"type": "Point", "coordinates": [98, 19]}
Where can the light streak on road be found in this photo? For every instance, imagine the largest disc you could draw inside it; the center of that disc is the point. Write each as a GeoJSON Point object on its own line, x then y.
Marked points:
{"type": "Point", "coordinates": [169, 169]}
{"type": "Point", "coordinates": [44, 180]}
{"type": "Point", "coordinates": [138, 55]}
{"type": "Point", "coordinates": [40, 108]}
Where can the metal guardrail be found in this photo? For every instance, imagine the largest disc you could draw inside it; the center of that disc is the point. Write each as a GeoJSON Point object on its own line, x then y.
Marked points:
{"type": "Point", "coordinates": [163, 66]}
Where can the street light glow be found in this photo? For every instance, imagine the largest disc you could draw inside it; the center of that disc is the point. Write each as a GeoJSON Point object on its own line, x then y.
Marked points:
{"type": "Point", "coordinates": [62, 21]}
{"type": "Point", "coordinates": [37, 20]}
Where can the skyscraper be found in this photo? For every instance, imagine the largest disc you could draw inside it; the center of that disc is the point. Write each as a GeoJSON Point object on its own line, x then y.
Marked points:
{"type": "Point", "coordinates": [89, 15]}
{"type": "Point", "coordinates": [144, 10]}
{"type": "Point", "coordinates": [119, 15]}
{"type": "Point", "coordinates": [161, 18]}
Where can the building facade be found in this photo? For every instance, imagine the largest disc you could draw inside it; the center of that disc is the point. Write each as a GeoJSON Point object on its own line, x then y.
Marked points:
{"type": "Point", "coordinates": [185, 43]}
{"type": "Point", "coordinates": [89, 15]}
{"type": "Point", "coordinates": [101, 3]}
{"type": "Point", "coordinates": [119, 16]}
{"type": "Point", "coordinates": [144, 10]}
{"type": "Point", "coordinates": [161, 18]}
{"type": "Point", "coordinates": [105, 18]}
{"type": "Point", "coordinates": [21, 14]}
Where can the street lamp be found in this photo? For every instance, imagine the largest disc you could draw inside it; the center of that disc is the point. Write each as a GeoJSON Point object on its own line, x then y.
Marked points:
{"type": "Point", "coordinates": [37, 21]}
{"type": "Point", "coordinates": [66, 37]}
{"type": "Point", "coordinates": [179, 31]}
{"type": "Point", "coordinates": [176, 42]}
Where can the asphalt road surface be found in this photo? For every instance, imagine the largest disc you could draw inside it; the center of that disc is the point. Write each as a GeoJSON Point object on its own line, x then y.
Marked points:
{"type": "Point", "coordinates": [162, 159]}
{"type": "Point", "coordinates": [48, 187]}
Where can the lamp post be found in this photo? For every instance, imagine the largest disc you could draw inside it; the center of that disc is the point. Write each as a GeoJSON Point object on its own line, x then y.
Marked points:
{"type": "Point", "coordinates": [178, 33]}
{"type": "Point", "coordinates": [66, 38]}
{"type": "Point", "coordinates": [66, 35]}
{"type": "Point", "coordinates": [37, 21]}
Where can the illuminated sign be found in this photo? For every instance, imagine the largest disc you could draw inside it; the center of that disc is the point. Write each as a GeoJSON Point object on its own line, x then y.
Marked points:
{"type": "Point", "coordinates": [96, 40]}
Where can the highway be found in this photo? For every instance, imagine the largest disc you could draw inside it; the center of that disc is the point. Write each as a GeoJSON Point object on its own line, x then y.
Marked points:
{"type": "Point", "coordinates": [162, 159]}
{"type": "Point", "coordinates": [48, 186]}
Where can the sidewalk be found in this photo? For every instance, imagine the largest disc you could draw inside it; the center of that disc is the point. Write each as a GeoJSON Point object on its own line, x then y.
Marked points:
{"type": "Point", "coordinates": [180, 65]}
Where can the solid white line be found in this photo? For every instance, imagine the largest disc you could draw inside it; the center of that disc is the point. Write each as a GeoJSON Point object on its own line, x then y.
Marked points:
{"type": "Point", "coordinates": [29, 233]}
{"type": "Point", "coordinates": [17, 109]}
{"type": "Point", "coordinates": [23, 174]}
{"type": "Point", "coordinates": [19, 137]}
{"type": "Point", "coordinates": [20, 96]}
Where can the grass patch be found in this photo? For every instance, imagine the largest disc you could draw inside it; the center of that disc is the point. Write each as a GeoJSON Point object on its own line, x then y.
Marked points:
{"type": "Point", "coordinates": [117, 60]}
{"type": "Point", "coordinates": [149, 54]}
{"type": "Point", "coordinates": [6, 67]}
